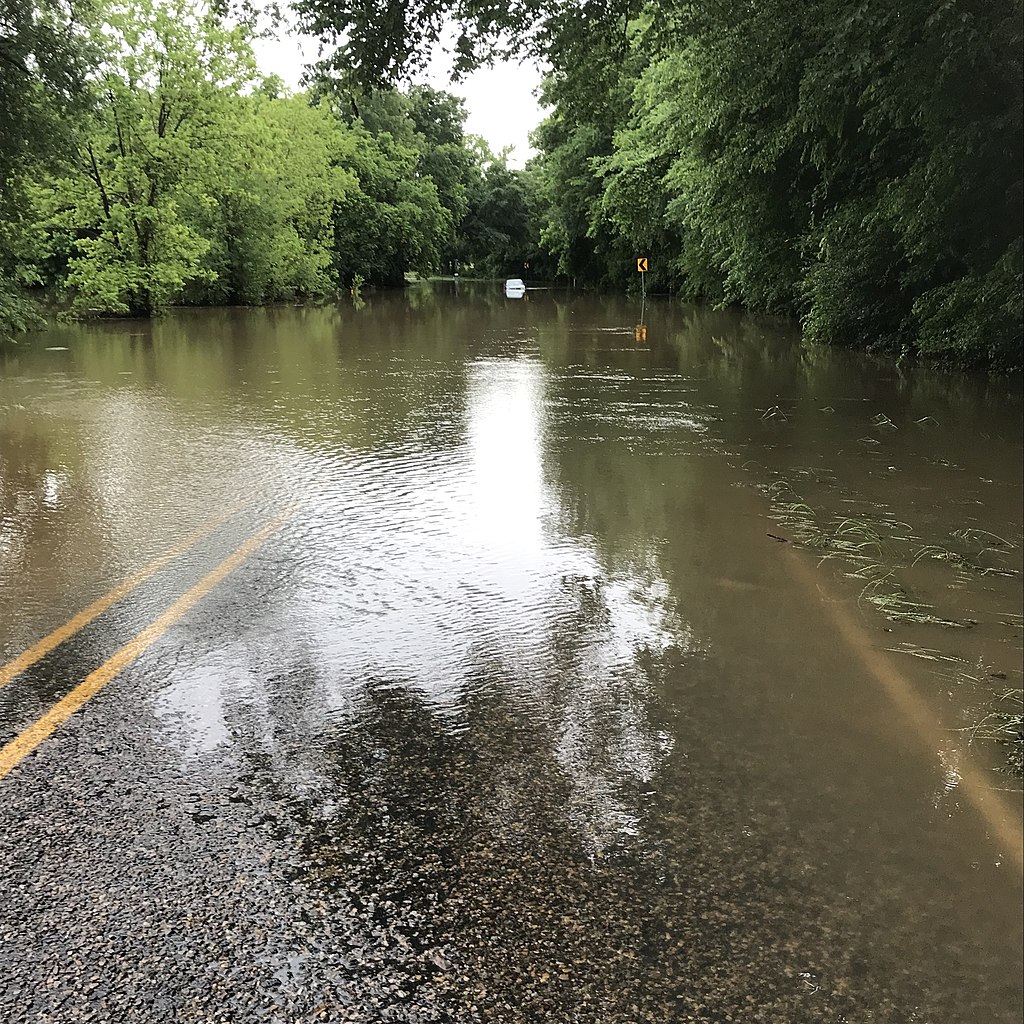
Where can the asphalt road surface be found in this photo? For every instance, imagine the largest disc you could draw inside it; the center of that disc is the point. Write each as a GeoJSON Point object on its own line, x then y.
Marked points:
{"type": "Point", "coordinates": [455, 660]}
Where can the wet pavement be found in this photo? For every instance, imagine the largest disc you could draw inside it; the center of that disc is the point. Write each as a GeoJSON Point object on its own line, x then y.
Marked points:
{"type": "Point", "coordinates": [583, 680]}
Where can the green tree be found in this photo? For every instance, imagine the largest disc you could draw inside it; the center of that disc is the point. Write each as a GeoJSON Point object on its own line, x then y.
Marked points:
{"type": "Point", "coordinates": [497, 236]}
{"type": "Point", "coordinates": [576, 141]}
{"type": "Point", "coordinates": [267, 209]}
{"type": "Point", "coordinates": [447, 157]}
{"type": "Point", "coordinates": [163, 104]}
{"type": "Point", "coordinates": [393, 222]}
{"type": "Point", "coordinates": [44, 58]}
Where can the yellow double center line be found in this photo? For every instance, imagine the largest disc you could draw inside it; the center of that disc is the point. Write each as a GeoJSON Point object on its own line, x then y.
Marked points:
{"type": "Point", "coordinates": [38, 650]}
{"type": "Point", "coordinates": [20, 747]}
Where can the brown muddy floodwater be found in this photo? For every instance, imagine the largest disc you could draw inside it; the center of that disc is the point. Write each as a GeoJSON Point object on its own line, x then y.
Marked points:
{"type": "Point", "coordinates": [590, 679]}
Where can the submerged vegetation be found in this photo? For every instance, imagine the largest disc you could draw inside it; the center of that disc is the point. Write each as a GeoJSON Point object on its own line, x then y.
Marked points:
{"type": "Point", "coordinates": [879, 553]}
{"type": "Point", "coordinates": [856, 165]}
{"type": "Point", "coordinates": [1005, 725]}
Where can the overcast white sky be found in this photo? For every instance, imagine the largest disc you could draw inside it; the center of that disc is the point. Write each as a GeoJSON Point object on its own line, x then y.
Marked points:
{"type": "Point", "coordinates": [500, 100]}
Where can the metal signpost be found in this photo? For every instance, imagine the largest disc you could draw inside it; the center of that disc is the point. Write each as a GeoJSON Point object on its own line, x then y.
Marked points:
{"type": "Point", "coordinates": [641, 269]}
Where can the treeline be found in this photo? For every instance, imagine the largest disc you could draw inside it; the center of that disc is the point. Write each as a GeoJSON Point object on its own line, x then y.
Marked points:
{"type": "Point", "coordinates": [857, 164]}
{"type": "Point", "coordinates": [164, 168]}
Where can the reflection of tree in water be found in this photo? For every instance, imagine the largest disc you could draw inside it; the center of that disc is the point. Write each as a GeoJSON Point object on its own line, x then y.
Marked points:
{"type": "Point", "coordinates": [449, 883]}
{"type": "Point", "coordinates": [582, 679]}
{"type": "Point", "coordinates": [744, 360]}
{"type": "Point", "coordinates": [485, 844]}
{"type": "Point", "coordinates": [48, 513]}
{"type": "Point", "coordinates": [597, 690]}
{"type": "Point", "coordinates": [23, 472]}
{"type": "Point", "coordinates": [483, 840]}
{"type": "Point", "coordinates": [438, 839]}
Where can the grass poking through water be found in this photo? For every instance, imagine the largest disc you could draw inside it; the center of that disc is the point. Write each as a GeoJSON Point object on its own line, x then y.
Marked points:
{"type": "Point", "coordinates": [880, 552]}
{"type": "Point", "coordinates": [1005, 725]}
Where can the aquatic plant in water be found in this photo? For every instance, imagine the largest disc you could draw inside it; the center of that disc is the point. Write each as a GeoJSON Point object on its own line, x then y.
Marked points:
{"type": "Point", "coordinates": [878, 550]}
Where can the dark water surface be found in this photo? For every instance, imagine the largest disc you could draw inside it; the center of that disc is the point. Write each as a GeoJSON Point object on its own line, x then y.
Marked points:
{"type": "Point", "coordinates": [592, 680]}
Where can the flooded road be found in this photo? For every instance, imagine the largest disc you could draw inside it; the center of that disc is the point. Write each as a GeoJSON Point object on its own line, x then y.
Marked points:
{"type": "Point", "coordinates": [464, 659]}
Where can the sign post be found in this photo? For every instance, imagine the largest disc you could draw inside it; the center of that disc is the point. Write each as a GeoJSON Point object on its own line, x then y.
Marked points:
{"type": "Point", "coordinates": [641, 269]}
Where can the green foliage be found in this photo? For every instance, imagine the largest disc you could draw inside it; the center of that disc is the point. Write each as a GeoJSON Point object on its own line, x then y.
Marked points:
{"type": "Point", "coordinates": [851, 289]}
{"type": "Point", "coordinates": [578, 142]}
{"type": "Point", "coordinates": [856, 164]}
{"type": "Point", "coordinates": [917, 240]}
{"type": "Point", "coordinates": [17, 313]}
{"type": "Point", "coordinates": [497, 234]}
{"type": "Point", "coordinates": [445, 156]}
{"type": "Point", "coordinates": [378, 44]}
{"type": "Point", "coordinates": [186, 177]}
{"type": "Point", "coordinates": [978, 316]}
{"type": "Point", "coordinates": [268, 212]}
{"type": "Point", "coordinates": [394, 221]}
{"type": "Point", "coordinates": [44, 55]}
{"type": "Point", "coordinates": [164, 98]}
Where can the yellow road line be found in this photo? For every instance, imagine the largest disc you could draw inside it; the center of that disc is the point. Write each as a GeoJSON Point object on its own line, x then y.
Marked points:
{"type": "Point", "coordinates": [41, 648]}
{"type": "Point", "coordinates": [23, 744]}
{"type": "Point", "coordinates": [1003, 825]}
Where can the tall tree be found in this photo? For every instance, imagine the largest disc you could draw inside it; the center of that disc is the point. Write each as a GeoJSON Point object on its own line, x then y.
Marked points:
{"type": "Point", "coordinates": [162, 98]}
{"type": "Point", "coordinates": [44, 57]}
{"type": "Point", "coordinates": [497, 236]}
{"type": "Point", "coordinates": [267, 205]}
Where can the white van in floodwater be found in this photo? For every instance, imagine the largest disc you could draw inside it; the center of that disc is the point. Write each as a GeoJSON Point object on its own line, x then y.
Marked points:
{"type": "Point", "coordinates": [515, 288]}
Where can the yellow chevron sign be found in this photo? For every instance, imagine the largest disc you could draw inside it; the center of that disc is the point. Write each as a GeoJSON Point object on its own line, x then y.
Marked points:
{"type": "Point", "coordinates": [641, 265]}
